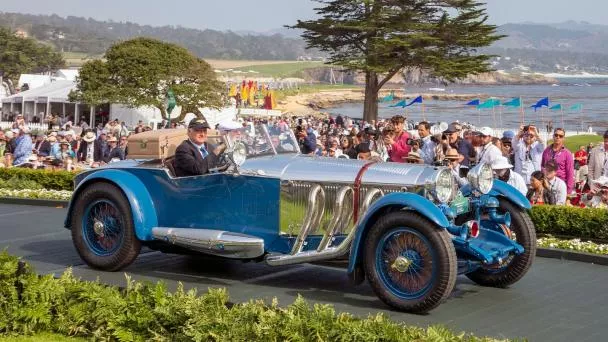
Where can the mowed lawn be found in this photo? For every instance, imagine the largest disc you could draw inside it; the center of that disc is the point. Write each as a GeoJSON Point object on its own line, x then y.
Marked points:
{"type": "Point", "coordinates": [575, 142]}
{"type": "Point", "coordinates": [291, 69]}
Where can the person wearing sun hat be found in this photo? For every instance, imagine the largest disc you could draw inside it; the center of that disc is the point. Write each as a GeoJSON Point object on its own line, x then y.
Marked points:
{"type": "Point", "coordinates": [598, 196]}
{"type": "Point", "coordinates": [90, 150]}
{"type": "Point", "coordinates": [503, 172]}
{"type": "Point", "coordinates": [64, 151]}
{"type": "Point", "coordinates": [414, 158]}
{"type": "Point", "coordinates": [115, 152]}
{"type": "Point", "coordinates": [24, 146]}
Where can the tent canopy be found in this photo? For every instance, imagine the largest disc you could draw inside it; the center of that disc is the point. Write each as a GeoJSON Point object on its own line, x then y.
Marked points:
{"type": "Point", "coordinates": [56, 91]}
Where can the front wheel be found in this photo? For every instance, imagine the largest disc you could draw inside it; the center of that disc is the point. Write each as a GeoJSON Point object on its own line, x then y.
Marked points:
{"type": "Point", "coordinates": [516, 266]}
{"type": "Point", "coordinates": [102, 228]}
{"type": "Point", "coordinates": [410, 262]}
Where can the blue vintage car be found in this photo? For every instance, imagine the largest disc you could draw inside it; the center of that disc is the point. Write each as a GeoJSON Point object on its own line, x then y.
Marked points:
{"type": "Point", "coordinates": [407, 229]}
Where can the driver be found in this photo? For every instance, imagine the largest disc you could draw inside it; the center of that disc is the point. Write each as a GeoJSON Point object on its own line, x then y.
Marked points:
{"type": "Point", "coordinates": [193, 156]}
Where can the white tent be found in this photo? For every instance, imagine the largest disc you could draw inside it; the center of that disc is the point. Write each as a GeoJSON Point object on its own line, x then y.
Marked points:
{"type": "Point", "coordinates": [34, 81]}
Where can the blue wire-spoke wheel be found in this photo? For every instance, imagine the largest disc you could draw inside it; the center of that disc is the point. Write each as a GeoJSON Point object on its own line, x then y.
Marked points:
{"type": "Point", "coordinates": [409, 261]}
{"type": "Point", "coordinates": [103, 227]}
{"type": "Point", "coordinates": [405, 262]}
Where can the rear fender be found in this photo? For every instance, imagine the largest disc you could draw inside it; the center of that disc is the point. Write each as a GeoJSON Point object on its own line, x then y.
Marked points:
{"type": "Point", "coordinates": [393, 201]}
{"type": "Point", "coordinates": [142, 206]}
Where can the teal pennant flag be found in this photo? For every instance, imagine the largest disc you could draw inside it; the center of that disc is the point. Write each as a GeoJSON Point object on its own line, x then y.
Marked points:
{"type": "Point", "coordinates": [388, 98]}
{"type": "Point", "coordinates": [556, 107]}
{"type": "Point", "coordinates": [490, 103]}
{"type": "Point", "coordinates": [577, 106]}
{"type": "Point", "coordinates": [516, 102]}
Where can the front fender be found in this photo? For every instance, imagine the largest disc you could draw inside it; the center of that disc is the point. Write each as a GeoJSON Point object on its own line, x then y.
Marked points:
{"type": "Point", "coordinates": [142, 206]}
{"type": "Point", "coordinates": [502, 189]}
{"type": "Point", "coordinates": [398, 200]}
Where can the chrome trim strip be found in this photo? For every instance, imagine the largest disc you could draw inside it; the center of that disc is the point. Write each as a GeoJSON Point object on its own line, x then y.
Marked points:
{"type": "Point", "coordinates": [214, 242]}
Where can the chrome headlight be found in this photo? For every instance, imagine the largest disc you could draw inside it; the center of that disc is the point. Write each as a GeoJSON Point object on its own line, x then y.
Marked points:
{"type": "Point", "coordinates": [239, 153]}
{"type": "Point", "coordinates": [444, 186]}
{"type": "Point", "coordinates": [481, 178]}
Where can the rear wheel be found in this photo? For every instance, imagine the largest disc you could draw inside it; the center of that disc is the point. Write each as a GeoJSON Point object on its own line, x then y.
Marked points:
{"type": "Point", "coordinates": [410, 262]}
{"type": "Point", "coordinates": [516, 266]}
{"type": "Point", "coordinates": [102, 228]}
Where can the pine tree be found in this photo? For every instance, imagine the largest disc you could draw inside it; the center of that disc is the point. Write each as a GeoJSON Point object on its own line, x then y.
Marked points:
{"type": "Point", "coordinates": [383, 37]}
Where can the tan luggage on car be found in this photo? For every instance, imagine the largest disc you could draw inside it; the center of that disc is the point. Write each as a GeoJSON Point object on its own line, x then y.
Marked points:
{"type": "Point", "coordinates": [160, 144]}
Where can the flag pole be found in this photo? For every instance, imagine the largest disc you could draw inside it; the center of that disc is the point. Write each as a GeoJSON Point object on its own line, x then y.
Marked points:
{"type": "Point", "coordinates": [423, 114]}
{"type": "Point", "coordinates": [522, 112]}
{"type": "Point", "coordinates": [562, 110]}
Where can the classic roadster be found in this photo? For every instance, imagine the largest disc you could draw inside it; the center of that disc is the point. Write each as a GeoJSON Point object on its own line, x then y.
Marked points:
{"type": "Point", "coordinates": [408, 229]}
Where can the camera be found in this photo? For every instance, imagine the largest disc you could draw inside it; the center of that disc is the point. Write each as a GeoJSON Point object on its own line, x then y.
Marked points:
{"type": "Point", "coordinates": [412, 142]}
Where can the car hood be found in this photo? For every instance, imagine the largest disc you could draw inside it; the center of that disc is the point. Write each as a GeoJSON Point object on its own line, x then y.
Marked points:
{"type": "Point", "coordinates": [334, 170]}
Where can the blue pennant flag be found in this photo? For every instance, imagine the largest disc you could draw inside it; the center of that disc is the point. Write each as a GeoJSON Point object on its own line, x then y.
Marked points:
{"type": "Point", "coordinates": [401, 104]}
{"type": "Point", "coordinates": [490, 103]}
{"type": "Point", "coordinates": [516, 102]}
{"type": "Point", "coordinates": [416, 100]}
{"type": "Point", "coordinates": [388, 98]}
{"type": "Point", "coordinates": [577, 106]}
{"type": "Point", "coordinates": [556, 107]}
{"type": "Point", "coordinates": [541, 103]}
{"type": "Point", "coordinates": [473, 103]}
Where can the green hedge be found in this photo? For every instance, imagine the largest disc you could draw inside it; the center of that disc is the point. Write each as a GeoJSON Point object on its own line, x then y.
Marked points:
{"type": "Point", "coordinates": [30, 304]}
{"type": "Point", "coordinates": [52, 180]}
{"type": "Point", "coordinates": [584, 223]}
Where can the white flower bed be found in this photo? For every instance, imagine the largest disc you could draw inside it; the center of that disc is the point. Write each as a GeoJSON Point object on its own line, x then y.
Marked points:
{"type": "Point", "coordinates": [574, 245]}
{"type": "Point", "coordinates": [60, 195]}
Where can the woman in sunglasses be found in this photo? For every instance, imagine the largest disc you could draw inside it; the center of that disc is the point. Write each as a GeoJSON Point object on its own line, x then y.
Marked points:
{"type": "Point", "coordinates": [528, 152]}
{"type": "Point", "coordinates": [564, 159]}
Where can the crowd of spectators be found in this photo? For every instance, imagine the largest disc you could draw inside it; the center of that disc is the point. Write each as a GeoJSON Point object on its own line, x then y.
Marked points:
{"type": "Point", "coordinates": [64, 147]}
{"type": "Point", "coordinates": [544, 174]}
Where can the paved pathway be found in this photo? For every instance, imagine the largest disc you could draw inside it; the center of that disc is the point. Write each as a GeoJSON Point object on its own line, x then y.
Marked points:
{"type": "Point", "coordinates": [556, 301]}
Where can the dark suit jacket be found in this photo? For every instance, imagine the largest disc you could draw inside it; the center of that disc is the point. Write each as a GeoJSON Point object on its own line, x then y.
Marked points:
{"type": "Point", "coordinates": [189, 161]}
{"type": "Point", "coordinates": [43, 148]}
{"type": "Point", "coordinates": [82, 151]}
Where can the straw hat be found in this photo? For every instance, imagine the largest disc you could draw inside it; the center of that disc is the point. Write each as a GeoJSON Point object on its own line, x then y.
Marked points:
{"type": "Point", "coordinates": [112, 139]}
{"type": "Point", "coordinates": [52, 139]}
{"type": "Point", "coordinates": [414, 156]}
{"type": "Point", "coordinates": [452, 154]}
{"type": "Point", "coordinates": [601, 182]}
{"type": "Point", "coordinates": [63, 142]}
{"type": "Point", "coordinates": [89, 137]}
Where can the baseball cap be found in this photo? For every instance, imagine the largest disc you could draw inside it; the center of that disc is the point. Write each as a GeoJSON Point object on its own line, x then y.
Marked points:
{"type": "Point", "coordinates": [485, 131]}
{"type": "Point", "coordinates": [452, 128]}
{"type": "Point", "coordinates": [198, 124]}
{"type": "Point", "coordinates": [508, 135]}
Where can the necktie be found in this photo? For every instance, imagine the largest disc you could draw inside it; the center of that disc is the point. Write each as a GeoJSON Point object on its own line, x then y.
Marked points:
{"type": "Point", "coordinates": [204, 152]}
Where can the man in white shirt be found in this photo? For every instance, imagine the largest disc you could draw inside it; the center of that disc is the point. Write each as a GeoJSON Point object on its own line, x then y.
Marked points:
{"type": "Point", "coordinates": [427, 150]}
{"type": "Point", "coordinates": [488, 152]}
{"type": "Point", "coordinates": [502, 171]}
{"type": "Point", "coordinates": [598, 162]}
{"type": "Point", "coordinates": [556, 184]}
{"type": "Point", "coordinates": [528, 152]}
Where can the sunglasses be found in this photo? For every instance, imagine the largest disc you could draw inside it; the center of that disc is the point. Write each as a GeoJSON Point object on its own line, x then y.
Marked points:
{"type": "Point", "coordinates": [558, 135]}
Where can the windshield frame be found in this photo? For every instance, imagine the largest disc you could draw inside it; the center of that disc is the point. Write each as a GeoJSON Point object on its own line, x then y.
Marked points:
{"type": "Point", "coordinates": [255, 132]}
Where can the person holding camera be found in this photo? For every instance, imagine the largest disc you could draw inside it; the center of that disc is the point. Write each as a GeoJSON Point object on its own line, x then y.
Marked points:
{"type": "Point", "coordinates": [528, 152]}
{"type": "Point", "coordinates": [397, 146]}
{"type": "Point", "coordinates": [425, 145]}
{"type": "Point", "coordinates": [451, 139]}
{"type": "Point", "coordinates": [489, 152]}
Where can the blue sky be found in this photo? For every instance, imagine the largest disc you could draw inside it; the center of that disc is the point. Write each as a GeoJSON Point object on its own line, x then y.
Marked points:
{"type": "Point", "coordinates": [263, 15]}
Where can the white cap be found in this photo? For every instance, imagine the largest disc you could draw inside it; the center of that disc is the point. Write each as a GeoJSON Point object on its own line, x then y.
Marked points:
{"type": "Point", "coordinates": [486, 131]}
{"type": "Point", "coordinates": [602, 181]}
{"type": "Point", "coordinates": [501, 163]}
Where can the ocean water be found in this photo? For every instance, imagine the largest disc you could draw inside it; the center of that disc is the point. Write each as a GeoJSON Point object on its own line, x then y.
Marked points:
{"type": "Point", "coordinates": [591, 93]}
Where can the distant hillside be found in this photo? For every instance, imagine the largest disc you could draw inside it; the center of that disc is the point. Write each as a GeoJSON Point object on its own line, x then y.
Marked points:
{"type": "Point", "coordinates": [569, 47]}
{"type": "Point", "coordinates": [77, 34]}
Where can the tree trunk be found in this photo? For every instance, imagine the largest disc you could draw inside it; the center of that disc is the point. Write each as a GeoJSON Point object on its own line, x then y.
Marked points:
{"type": "Point", "coordinates": [370, 106]}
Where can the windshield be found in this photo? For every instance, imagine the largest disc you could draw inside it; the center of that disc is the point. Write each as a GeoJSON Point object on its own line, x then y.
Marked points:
{"type": "Point", "coordinates": [261, 140]}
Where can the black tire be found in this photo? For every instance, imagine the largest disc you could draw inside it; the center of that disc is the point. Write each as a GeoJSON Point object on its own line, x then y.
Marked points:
{"type": "Point", "coordinates": [438, 247]}
{"type": "Point", "coordinates": [106, 201]}
{"type": "Point", "coordinates": [518, 266]}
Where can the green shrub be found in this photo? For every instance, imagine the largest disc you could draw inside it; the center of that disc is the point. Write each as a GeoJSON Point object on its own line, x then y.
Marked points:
{"type": "Point", "coordinates": [584, 223]}
{"type": "Point", "coordinates": [52, 180]}
{"type": "Point", "coordinates": [30, 304]}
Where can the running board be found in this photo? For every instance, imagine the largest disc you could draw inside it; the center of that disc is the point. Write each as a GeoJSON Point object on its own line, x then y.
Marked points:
{"type": "Point", "coordinates": [214, 242]}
